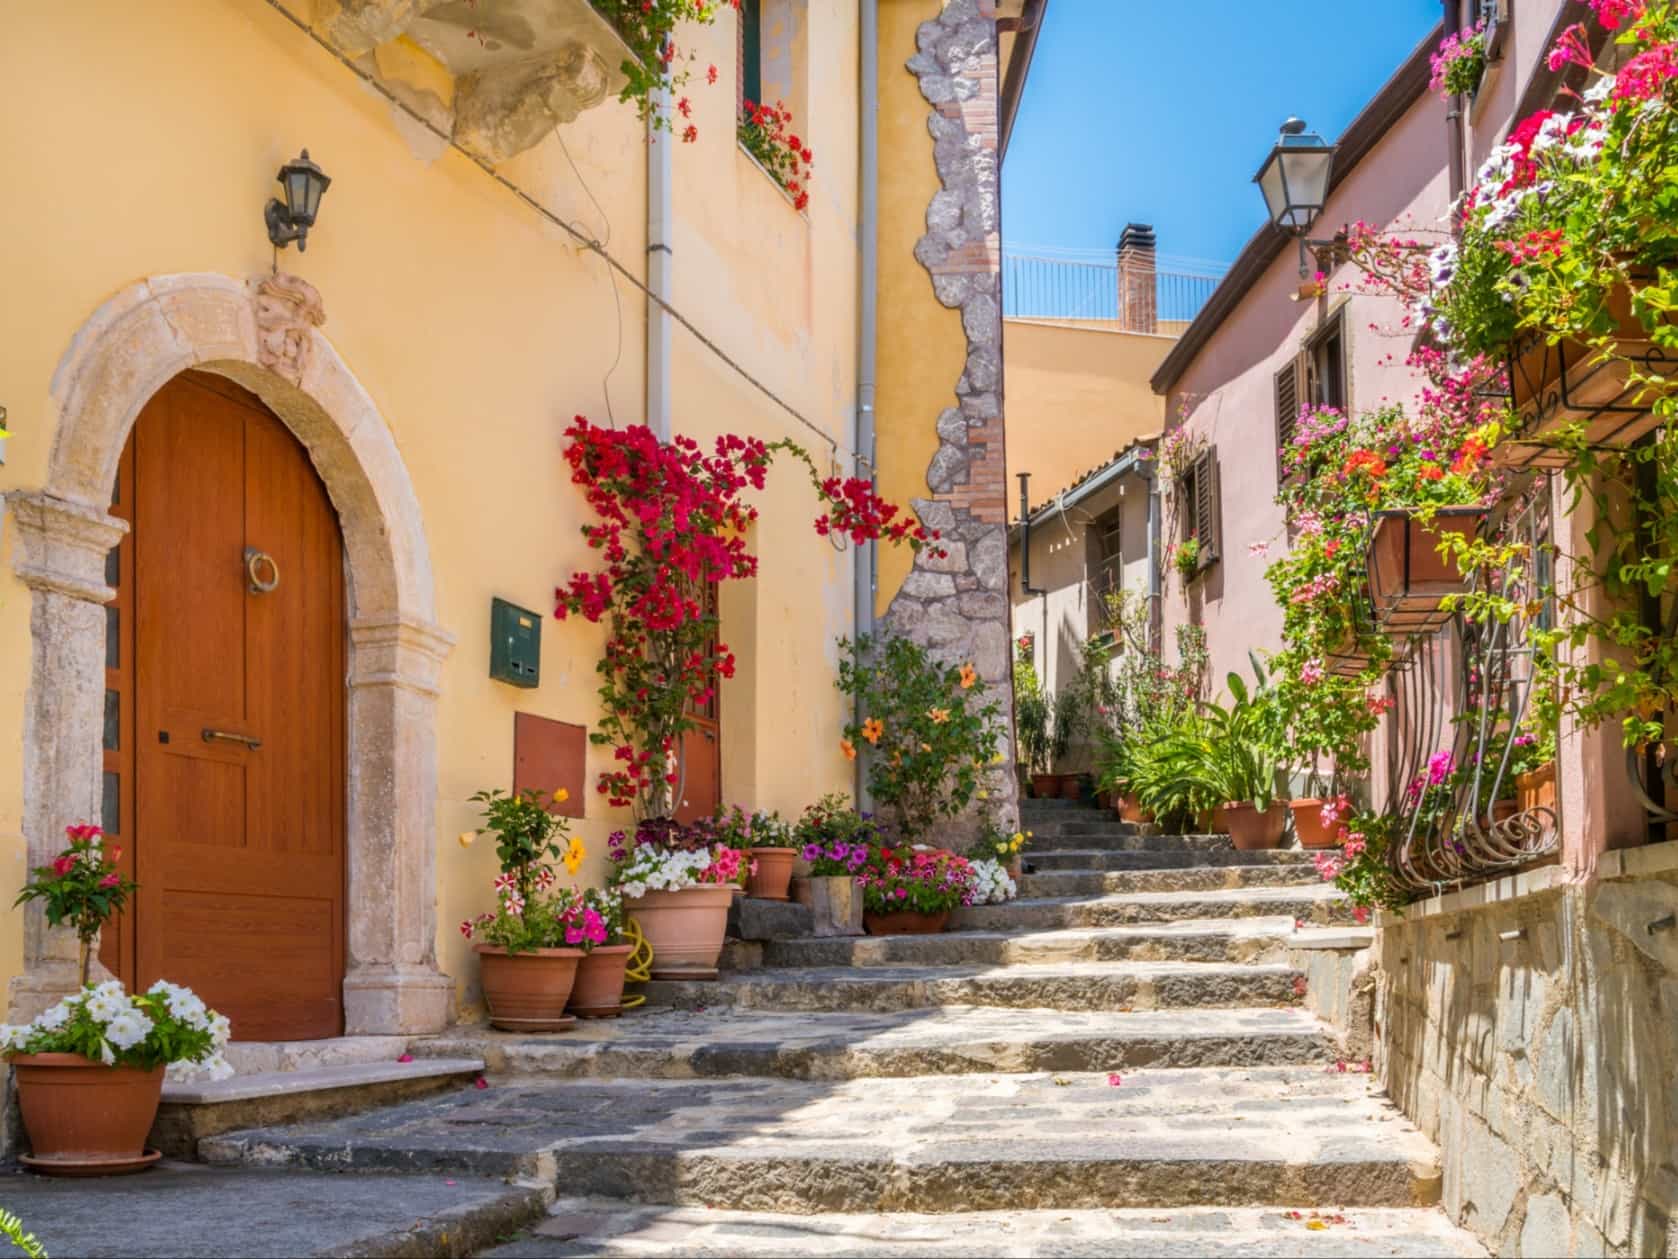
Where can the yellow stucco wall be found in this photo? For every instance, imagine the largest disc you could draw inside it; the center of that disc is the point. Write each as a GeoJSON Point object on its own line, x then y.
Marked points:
{"type": "Point", "coordinates": [1075, 397]}
{"type": "Point", "coordinates": [920, 343]}
{"type": "Point", "coordinates": [151, 134]}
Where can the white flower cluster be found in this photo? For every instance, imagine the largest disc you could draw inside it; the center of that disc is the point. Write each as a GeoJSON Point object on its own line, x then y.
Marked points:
{"type": "Point", "coordinates": [991, 884]}
{"type": "Point", "coordinates": [123, 1024]}
{"type": "Point", "coordinates": [653, 869]}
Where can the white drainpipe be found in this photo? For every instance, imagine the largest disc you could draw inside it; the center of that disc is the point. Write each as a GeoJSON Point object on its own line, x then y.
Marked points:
{"type": "Point", "coordinates": [659, 266]}
{"type": "Point", "coordinates": [866, 575]}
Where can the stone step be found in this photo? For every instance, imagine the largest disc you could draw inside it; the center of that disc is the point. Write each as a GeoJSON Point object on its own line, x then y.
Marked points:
{"type": "Point", "coordinates": [1290, 1137]}
{"type": "Point", "coordinates": [1050, 884]}
{"type": "Point", "coordinates": [193, 1110]}
{"type": "Point", "coordinates": [599, 1226]}
{"type": "Point", "coordinates": [955, 1040]}
{"type": "Point", "coordinates": [1209, 940]}
{"type": "Point", "coordinates": [1051, 859]}
{"type": "Point", "coordinates": [1058, 986]}
{"type": "Point", "coordinates": [1119, 838]}
{"type": "Point", "coordinates": [1320, 905]}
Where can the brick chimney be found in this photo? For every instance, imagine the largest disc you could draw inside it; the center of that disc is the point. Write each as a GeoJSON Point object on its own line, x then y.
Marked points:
{"type": "Point", "coordinates": [1138, 305]}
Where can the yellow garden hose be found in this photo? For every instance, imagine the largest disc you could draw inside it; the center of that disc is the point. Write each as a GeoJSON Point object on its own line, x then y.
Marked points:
{"type": "Point", "coordinates": [639, 968]}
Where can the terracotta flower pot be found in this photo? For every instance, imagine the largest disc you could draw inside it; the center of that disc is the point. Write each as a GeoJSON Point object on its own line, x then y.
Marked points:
{"type": "Point", "coordinates": [1251, 830]}
{"type": "Point", "coordinates": [1071, 786]}
{"type": "Point", "coordinates": [685, 928]}
{"type": "Point", "coordinates": [774, 873]}
{"type": "Point", "coordinates": [1408, 579]}
{"type": "Point", "coordinates": [904, 922]}
{"type": "Point", "coordinates": [83, 1117]}
{"type": "Point", "coordinates": [1013, 867]}
{"type": "Point", "coordinates": [598, 992]}
{"type": "Point", "coordinates": [1215, 821]}
{"type": "Point", "coordinates": [1537, 790]}
{"type": "Point", "coordinates": [527, 992]}
{"type": "Point", "coordinates": [1503, 810]}
{"type": "Point", "coordinates": [1045, 786]}
{"type": "Point", "coordinates": [1308, 824]}
{"type": "Point", "coordinates": [835, 902]}
{"type": "Point", "coordinates": [1130, 809]}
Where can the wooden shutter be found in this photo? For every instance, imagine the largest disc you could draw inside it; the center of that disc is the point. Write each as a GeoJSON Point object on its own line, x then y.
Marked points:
{"type": "Point", "coordinates": [1287, 410]}
{"type": "Point", "coordinates": [1204, 480]}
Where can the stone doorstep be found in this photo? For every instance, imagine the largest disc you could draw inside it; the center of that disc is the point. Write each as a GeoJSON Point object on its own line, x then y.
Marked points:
{"type": "Point", "coordinates": [1337, 938]}
{"type": "Point", "coordinates": [193, 1110]}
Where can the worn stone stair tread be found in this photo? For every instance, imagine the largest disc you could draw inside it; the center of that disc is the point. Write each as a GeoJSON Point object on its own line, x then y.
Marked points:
{"type": "Point", "coordinates": [945, 1041]}
{"type": "Point", "coordinates": [197, 1212]}
{"type": "Point", "coordinates": [1320, 903]}
{"type": "Point", "coordinates": [1045, 986]}
{"type": "Point", "coordinates": [266, 1084]}
{"type": "Point", "coordinates": [1296, 1137]}
{"type": "Point", "coordinates": [1175, 871]}
{"type": "Point", "coordinates": [595, 1226]}
{"type": "Point", "coordinates": [1192, 939]}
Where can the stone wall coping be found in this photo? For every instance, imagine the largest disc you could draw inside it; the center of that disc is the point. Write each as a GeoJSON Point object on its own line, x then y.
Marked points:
{"type": "Point", "coordinates": [1616, 863]}
{"type": "Point", "coordinates": [1351, 938]}
{"type": "Point", "coordinates": [241, 1088]}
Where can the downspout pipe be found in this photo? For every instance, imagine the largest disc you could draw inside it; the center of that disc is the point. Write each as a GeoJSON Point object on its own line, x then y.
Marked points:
{"type": "Point", "coordinates": [866, 572]}
{"type": "Point", "coordinates": [1026, 588]}
{"type": "Point", "coordinates": [660, 265]}
{"type": "Point", "coordinates": [1453, 108]}
{"type": "Point", "coordinates": [1156, 580]}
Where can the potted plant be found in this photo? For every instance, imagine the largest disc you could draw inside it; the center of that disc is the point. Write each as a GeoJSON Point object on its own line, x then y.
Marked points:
{"type": "Point", "coordinates": [526, 964]}
{"type": "Point", "coordinates": [1033, 720]}
{"type": "Point", "coordinates": [1003, 846]}
{"type": "Point", "coordinates": [766, 841]}
{"type": "Point", "coordinates": [677, 882]}
{"type": "Point", "coordinates": [1069, 721]}
{"type": "Point", "coordinates": [1459, 62]}
{"type": "Point", "coordinates": [90, 1069]}
{"type": "Point", "coordinates": [597, 929]}
{"type": "Point", "coordinates": [1187, 559]}
{"type": "Point", "coordinates": [992, 883]}
{"type": "Point", "coordinates": [912, 891]}
{"type": "Point", "coordinates": [833, 841]}
{"type": "Point", "coordinates": [1317, 821]}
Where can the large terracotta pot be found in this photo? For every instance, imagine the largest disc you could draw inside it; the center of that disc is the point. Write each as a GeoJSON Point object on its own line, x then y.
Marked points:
{"type": "Point", "coordinates": [1408, 579]}
{"type": "Point", "coordinates": [83, 1117]}
{"type": "Point", "coordinates": [685, 928]}
{"type": "Point", "coordinates": [773, 874]}
{"type": "Point", "coordinates": [1130, 809]}
{"type": "Point", "coordinates": [1537, 790]}
{"type": "Point", "coordinates": [598, 992]}
{"type": "Point", "coordinates": [527, 992]}
{"type": "Point", "coordinates": [835, 902]}
{"type": "Point", "coordinates": [1250, 830]}
{"type": "Point", "coordinates": [904, 922]}
{"type": "Point", "coordinates": [1215, 821]}
{"type": "Point", "coordinates": [1071, 786]}
{"type": "Point", "coordinates": [1308, 824]}
{"type": "Point", "coordinates": [1045, 786]}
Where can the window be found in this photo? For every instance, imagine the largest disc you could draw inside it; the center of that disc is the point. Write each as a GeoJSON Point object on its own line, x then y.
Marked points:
{"type": "Point", "coordinates": [1199, 488]}
{"type": "Point", "coordinates": [1495, 16]}
{"type": "Point", "coordinates": [1287, 410]}
{"type": "Point", "coordinates": [1325, 366]}
{"type": "Point", "coordinates": [750, 50]}
{"type": "Point", "coordinates": [1106, 551]}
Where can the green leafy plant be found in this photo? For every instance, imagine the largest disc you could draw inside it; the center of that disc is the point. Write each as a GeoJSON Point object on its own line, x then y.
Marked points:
{"type": "Point", "coordinates": [1071, 718]}
{"type": "Point", "coordinates": [1187, 558]}
{"type": "Point", "coordinates": [933, 730]}
{"type": "Point", "coordinates": [531, 912]}
{"type": "Point", "coordinates": [11, 1228]}
{"type": "Point", "coordinates": [659, 64]}
{"type": "Point", "coordinates": [81, 887]}
{"type": "Point", "coordinates": [1033, 713]}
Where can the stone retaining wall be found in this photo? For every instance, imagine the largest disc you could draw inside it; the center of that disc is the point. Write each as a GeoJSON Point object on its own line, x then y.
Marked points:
{"type": "Point", "coordinates": [1544, 1064]}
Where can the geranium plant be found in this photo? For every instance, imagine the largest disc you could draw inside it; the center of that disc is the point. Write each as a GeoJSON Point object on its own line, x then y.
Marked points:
{"type": "Point", "coordinates": [1459, 62]}
{"type": "Point", "coordinates": [933, 730]}
{"type": "Point", "coordinates": [673, 519]}
{"type": "Point", "coordinates": [921, 880]}
{"type": "Point", "coordinates": [766, 133]}
{"type": "Point", "coordinates": [659, 63]}
{"type": "Point", "coordinates": [81, 888]}
{"type": "Point", "coordinates": [166, 1025]}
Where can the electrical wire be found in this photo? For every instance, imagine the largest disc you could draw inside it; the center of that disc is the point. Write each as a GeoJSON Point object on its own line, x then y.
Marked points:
{"type": "Point", "coordinates": [576, 233]}
{"type": "Point", "coordinates": [611, 276]}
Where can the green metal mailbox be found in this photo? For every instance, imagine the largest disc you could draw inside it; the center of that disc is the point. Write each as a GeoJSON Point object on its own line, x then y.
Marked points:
{"type": "Point", "coordinates": [515, 644]}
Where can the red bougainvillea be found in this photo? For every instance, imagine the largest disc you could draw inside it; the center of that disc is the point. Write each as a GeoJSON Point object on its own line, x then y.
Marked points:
{"type": "Point", "coordinates": [671, 521]}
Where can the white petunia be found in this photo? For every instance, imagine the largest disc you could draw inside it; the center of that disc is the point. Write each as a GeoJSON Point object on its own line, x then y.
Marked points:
{"type": "Point", "coordinates": [128, 1029]}
{"type": "Point", "coordinates": [53, 1019]}
{"type": "Point", "coordinates": [102, 1007]}
{"type": "Point", "coordinates": [221, 1029]}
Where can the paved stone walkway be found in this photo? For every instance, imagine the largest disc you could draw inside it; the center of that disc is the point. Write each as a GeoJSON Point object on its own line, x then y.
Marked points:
{"type": "Point", "coordinates": [1120, 1063]}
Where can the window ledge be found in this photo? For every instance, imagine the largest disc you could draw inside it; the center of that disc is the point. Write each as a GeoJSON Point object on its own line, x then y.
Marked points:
{"type": "Point", "coordinates": [764, 171]}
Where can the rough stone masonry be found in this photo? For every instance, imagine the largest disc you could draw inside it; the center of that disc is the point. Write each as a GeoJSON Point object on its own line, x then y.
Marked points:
{"type": "Point", "coordinates": [957, 605]}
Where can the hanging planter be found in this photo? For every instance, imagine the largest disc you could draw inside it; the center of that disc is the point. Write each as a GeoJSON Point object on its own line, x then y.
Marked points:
{"type": "Point", "coordinates": [1553, 386]}
{"type": "Point", "coordinates": [1408, 579]}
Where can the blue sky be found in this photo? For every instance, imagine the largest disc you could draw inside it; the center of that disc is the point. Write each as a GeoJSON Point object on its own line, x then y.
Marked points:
{"type": "Point", "coordinates": [1147, 112]}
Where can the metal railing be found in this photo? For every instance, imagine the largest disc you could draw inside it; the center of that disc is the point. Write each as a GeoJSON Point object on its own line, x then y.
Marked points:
{"type": "Point", "coordinates": [1040, 287]}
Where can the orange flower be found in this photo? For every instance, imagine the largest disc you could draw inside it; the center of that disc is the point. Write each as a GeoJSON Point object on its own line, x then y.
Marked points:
{"type": "Point", "coordinates": [872, 729]}
{"type": "Point", "coordinates": [939, 715]}
{"type": "Point", "coordinates": [968, 676]}
{"type": "Point", "coordinates": [848, 748]}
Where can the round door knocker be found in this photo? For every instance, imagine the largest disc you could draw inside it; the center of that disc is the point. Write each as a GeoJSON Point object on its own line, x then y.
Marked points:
{"type": "Point", "coordinates": [255, 562]}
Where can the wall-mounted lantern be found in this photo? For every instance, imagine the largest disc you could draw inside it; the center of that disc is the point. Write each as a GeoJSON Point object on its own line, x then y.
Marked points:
{"type": "Point", "coordinates": [291, 219]}
{"type": "Point", "coordinates": [1294, 180]}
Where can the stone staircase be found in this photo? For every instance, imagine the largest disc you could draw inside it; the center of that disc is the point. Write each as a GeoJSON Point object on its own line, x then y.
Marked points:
{"type": "Point", "coordinates": [1123, 1061]}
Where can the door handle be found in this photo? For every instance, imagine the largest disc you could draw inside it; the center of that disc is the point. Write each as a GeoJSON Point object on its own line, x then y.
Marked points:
{"type": "Point", "coordinates": [231, 736]}
{"type": "Point", "coordinates": [255, 561]}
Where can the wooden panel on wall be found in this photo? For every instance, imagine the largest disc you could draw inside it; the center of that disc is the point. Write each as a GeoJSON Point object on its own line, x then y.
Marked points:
{"type": "Point", "coordinates": [548, 755]}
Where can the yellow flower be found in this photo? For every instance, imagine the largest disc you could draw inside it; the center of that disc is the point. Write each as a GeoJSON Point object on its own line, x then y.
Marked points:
{"type": "Point", "coordinates": [848, 748]}
{"type": "Point", "coordinates": [872, 729]}
{"type": "Point", "coordinates": [466, 838]}
{"type": "Point", "coordinates": [968, 676]}
{"type": "Point", "coordinates": [939, 715]}
{"type": "Point", "coordinates": [561, 796]}
{"type": "Point", "coordinates": [926, 747]}
{"type": "Point", "coordinates": [982, 794]}
{"type": "Point", "coordinates": [574, 854]}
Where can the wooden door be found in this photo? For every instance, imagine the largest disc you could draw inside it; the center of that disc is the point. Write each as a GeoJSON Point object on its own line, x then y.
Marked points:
{"type": "Point", "coordinates": [701, 776]}
{"type": "Point", "coordinates": [238, 610]}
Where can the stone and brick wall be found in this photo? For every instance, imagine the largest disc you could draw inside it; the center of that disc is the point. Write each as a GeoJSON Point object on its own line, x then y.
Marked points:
{"type": "Point", "coordinates": [958, 605]}
{"type": "Point", "coordinates": [1530, 1027]}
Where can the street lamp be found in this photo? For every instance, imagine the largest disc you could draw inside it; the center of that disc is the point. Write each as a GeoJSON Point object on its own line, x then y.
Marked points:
{"type": "Point", "coordinates": [291, 219]}
{"type": "Point", "coordinates": [1294, 181]}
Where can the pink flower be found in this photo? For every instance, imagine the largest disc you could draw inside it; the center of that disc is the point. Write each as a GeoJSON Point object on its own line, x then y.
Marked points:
{"type": "Point", "coordinates": [1439, 767]}
{"type": "Point", "coordinates": [62, 865]}
{"type": "Point", "coordinates": [480, 1083]}
{"type": "Point", "coordinates": [1258, 550]}
{"type": "Point", "coordinates": [1645, 75]}
{"type": "Point", "coordinates": [505, 882]}
{"type": "Point", "coordinates": [111, 879]}
{"type": "Point", "coordinates": [1360, 915]}
{"type": "Point", "coordinates": [1312, 672]}
{"type": "Point", "coordinates": [1113, 1079]}
{"type": "Point", "coordinates": [466, 928]}
{"type": "Point", "coordinates": [405, 1058]}
{"type": "Point", "coordinates": [1612, 12]}
{"type": "Point", "coordinates": [1570, 49]}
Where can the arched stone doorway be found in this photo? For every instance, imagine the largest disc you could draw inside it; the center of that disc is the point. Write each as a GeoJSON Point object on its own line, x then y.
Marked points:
{"type": "Point", "coordinates": [264, 337]}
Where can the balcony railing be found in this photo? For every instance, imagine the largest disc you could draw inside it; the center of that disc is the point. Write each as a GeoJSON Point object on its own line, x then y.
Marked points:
{"type": "Point", "coordinates": [1041, 287]}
